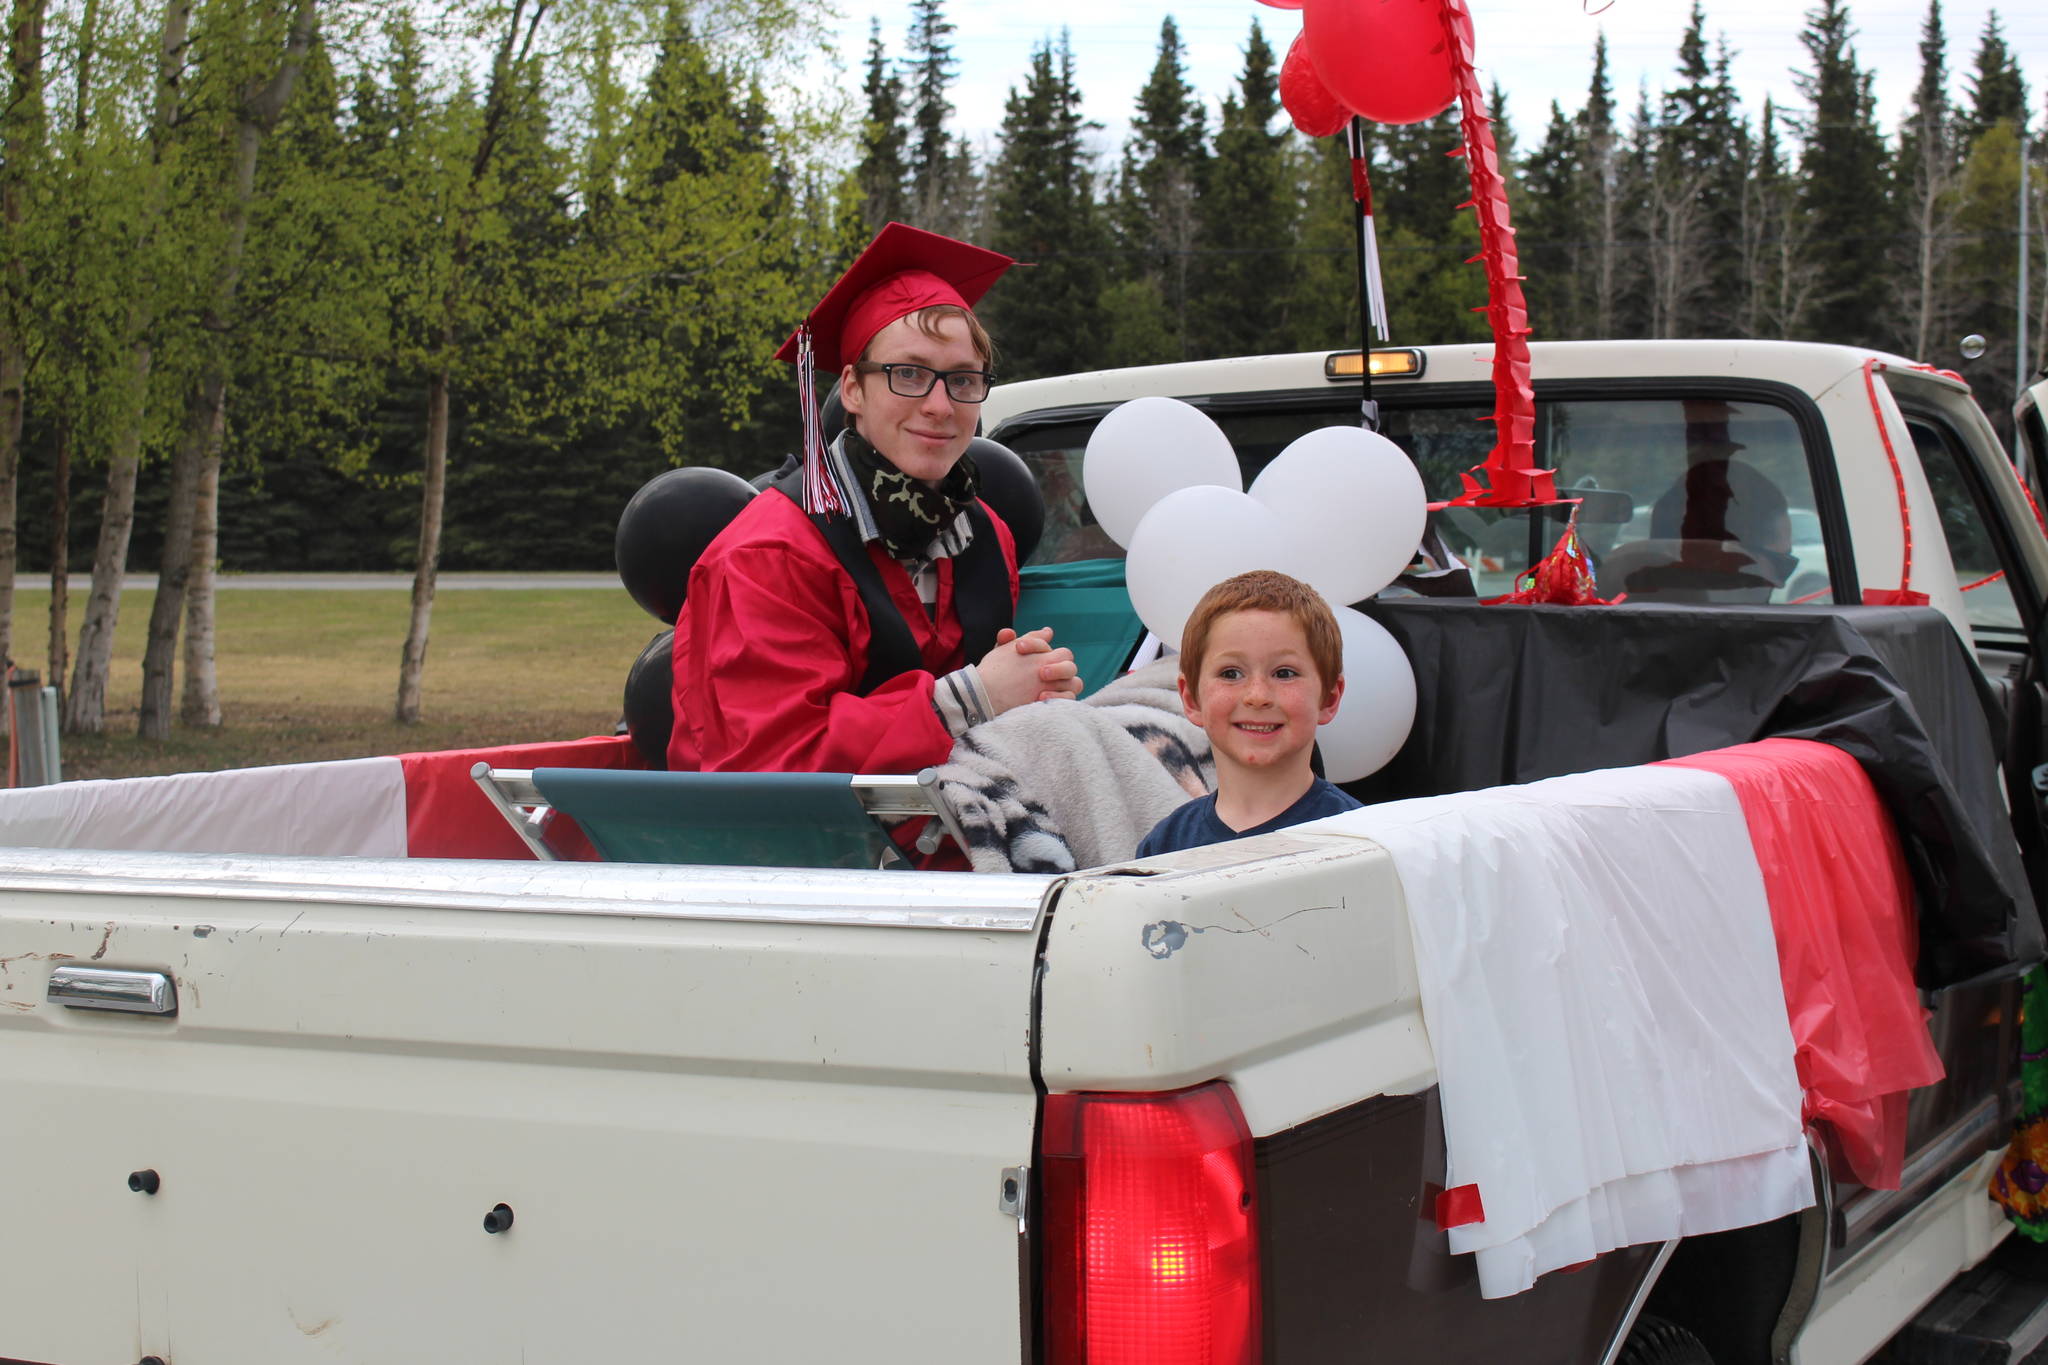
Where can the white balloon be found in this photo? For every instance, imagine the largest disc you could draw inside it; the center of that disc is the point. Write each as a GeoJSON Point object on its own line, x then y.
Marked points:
{"type": "Point", "coordinates": [1192, 540]}
{"type": "Point", "coordinates": [1378, 707]}
{"type": "Point", "coordinates": [1355, 500]}
{"type": "Point", "coordinates": [1145, 449]}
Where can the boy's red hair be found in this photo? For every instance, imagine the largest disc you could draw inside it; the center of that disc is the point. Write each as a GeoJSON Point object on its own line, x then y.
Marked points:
{"type": "Point", "coordinates": [1265, 590]}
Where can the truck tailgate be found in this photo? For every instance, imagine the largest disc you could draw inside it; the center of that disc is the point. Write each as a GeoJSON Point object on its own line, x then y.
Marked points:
{"type": "Point", "coordinates": [734, 1116]}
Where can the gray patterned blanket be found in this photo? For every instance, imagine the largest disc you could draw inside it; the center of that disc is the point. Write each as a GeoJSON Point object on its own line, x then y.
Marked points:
{"type": "Point", "coordinates": [1062, 785]}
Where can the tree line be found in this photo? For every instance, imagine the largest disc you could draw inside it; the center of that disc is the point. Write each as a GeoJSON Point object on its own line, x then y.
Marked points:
{"type": "Point", "coordinates": [1681, 216]}
{"type": "Point", "coordinates": [372, 284]}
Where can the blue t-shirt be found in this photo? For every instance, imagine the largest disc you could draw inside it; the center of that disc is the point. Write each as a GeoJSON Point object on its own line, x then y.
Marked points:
{"type": "Point", "coordinates": [1195, 824]}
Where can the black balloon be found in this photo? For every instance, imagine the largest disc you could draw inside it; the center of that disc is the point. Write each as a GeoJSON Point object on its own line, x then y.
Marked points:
{"type": "Point", "coordinates": [666, 527]}
{"type": "Point", "coordinates": [1008, 486]}
{"type": "Point", "coordinates": [650, 699]}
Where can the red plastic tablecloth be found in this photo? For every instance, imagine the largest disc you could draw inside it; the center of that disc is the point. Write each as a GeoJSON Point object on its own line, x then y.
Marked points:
{"type": "Point", "coordinates": [1842, 910]}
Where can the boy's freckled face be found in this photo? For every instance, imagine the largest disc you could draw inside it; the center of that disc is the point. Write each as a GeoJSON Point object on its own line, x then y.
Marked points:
{"type": "Point", "coordinates": [1258, 696]}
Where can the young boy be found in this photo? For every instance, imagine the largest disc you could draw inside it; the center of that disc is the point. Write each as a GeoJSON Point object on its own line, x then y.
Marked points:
{"type": "Point", "coordinates": [1261, 666]}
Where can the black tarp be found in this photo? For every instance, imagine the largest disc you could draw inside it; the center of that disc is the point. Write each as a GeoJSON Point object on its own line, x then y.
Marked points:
{"type": "Point", "coordinates": [1509, 694]}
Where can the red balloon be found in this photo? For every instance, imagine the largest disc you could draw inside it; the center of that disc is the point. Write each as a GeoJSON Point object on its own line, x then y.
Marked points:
{"type": "Point", "coordinates": [1315, 111]}
{"type": "Point", "coordinates": [1388, 60]}
{"type": "Point", "coordinates": [1282, 4]}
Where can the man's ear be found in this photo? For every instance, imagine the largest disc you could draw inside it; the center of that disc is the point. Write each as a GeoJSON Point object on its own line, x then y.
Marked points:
{"type": "Point", "coordinates": [849, 391]}
{"type": "Point", "coordinates": [1330, 700]}
{"type": "Point", "coordinates": [1190, 701]}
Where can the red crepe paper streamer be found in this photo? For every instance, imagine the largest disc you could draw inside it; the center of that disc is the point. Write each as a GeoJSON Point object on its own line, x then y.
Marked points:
{"type": "Point", "coordinates": [1510, 476]}
{"type": "Point", "coordinates": [1562, 578]}
{"type": "Point", "coordinates": [1903, 595]}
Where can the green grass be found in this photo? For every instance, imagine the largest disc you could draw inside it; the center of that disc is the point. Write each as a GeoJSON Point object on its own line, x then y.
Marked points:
{"type": "Point", "coordinates": [313, 675]}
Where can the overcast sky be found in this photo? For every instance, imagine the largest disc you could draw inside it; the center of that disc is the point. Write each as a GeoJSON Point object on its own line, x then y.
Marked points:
{"type": "Point", "coordinates": [1539, 50]}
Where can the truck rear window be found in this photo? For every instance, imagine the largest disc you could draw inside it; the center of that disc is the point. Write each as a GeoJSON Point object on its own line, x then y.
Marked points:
{"type": "Point", "coordinates": [1693, 499]}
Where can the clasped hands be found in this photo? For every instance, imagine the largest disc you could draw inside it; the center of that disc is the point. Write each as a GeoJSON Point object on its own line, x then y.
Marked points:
{"type": "Point", "coordinates": [1026, 668]}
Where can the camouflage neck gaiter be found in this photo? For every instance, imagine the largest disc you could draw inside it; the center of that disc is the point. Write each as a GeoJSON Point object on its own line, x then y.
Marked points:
{"type": "Point", "coordinates": [907, 513]}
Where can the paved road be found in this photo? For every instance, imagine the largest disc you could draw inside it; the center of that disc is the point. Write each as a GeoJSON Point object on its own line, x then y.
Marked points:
{"type": "Point", "coordinates": [368, 582]}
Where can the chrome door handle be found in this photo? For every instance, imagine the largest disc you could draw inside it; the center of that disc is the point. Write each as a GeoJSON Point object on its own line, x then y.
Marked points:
{"type": "Point", "coordinates": [105, 988]}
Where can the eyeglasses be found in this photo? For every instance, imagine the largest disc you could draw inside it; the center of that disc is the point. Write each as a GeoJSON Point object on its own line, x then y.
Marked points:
{"type": "Point", "coordinates": [915, 381]}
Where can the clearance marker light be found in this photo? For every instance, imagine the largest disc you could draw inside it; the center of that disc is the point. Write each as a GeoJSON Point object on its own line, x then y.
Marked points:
{"type": "Point", "coordinates": [1150, 1229]}
{"type": "Point", "coordinates": [1392, 364]}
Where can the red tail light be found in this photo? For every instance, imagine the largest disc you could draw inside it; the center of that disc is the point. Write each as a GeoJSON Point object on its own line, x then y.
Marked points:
{"type": "Point", "coordinates": [1149, 1229]}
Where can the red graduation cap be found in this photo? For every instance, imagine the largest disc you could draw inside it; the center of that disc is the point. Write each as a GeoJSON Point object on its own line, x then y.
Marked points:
{"type": "Point", "coordinates": [902, 270]}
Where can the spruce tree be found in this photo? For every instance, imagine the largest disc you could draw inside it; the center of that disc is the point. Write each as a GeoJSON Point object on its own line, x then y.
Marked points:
{"type": "Point", "coordinates": [1691, 146]}
{"type": "Point", "coordinates": [1636, 270]}
{"type": "Point", "coordinates": [1600, 174]}
{"type": "Point", "coordinates": [1155, 199]}
{"type": "Point", "coordinates": [1247, 218]}
{"type": "Point", "coordinates": [1929, 129]}
{"type": "Point", "coordinates": [1924, 187]}
{"type": "Point", "coordinates": [1787, 280]}
{"type": "Point", "coordinates": [1726, 179]}
{"type": "Point", "coordinates": [932, 68]}
{"type": "Point", "coordinates": [1503, 130]}
{"type": "Point", "coordinates": [1417, 182]}
{"type": "Point", "coordinates": [1047, 320]}
{"type": "Point", "coordinates": [1426, 240]}
{"type": "Point", "coordinates": [1844, 173]}
{"type": "Point", "coordinates": [1998, 93]}
{"type": "Point", "coordinates": [1323, 284]}
{"type": "Point", "coordinates": [883, 139]}
{"type": "Point", "coordinates": [1551, 233]}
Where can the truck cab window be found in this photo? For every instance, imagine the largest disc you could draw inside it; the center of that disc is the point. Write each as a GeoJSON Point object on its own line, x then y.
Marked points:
{"type": "Point", "coordinates": [1700, 498]}
{"type": "Point", "coordinates": [1720, 502]}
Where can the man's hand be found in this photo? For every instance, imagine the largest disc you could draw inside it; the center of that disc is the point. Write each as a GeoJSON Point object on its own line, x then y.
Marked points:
{"type": "Point", "coordinates": [1026, 668]}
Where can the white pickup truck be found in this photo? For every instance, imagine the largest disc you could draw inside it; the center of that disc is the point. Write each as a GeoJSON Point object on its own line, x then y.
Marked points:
{"type": "Point", "coordinates": [263, 1103]}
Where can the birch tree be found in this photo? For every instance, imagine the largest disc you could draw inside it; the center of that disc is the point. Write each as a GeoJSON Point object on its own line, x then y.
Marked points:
{"type": "Point", "coordinates": [259, 93]}
{"type": "Point", "coordinates": [68, 327]}
{"type": "Point", "coordinates": [690, 244]}
{"type": "Point", "coordinates": [137, 238]}
{"type": "Point", "coordinates": [511, 76]}
{"type": "Point", "coordinates": [22, 146]}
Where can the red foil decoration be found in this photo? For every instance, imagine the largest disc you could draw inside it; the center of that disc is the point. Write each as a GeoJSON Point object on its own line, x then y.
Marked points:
{"type": "Point", "coordinates": [1562, 578]}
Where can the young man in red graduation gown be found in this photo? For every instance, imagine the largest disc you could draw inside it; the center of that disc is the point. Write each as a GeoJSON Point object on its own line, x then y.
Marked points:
{"type": "Point", "coordinates": [856, 616]}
